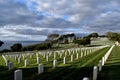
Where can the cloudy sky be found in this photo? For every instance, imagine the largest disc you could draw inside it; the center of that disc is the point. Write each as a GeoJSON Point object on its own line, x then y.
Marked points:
{"type": "Point", "coordinates": [35, 19]}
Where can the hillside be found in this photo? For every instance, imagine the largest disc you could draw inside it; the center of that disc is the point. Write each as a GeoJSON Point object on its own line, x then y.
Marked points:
{"type": "Point", "coordinates": [72, 64]}
{"type": "Point", "coordinates": [102, 41]}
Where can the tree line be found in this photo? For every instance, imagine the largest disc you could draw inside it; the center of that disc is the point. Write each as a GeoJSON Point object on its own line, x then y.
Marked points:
{"type": "Point", "coordinates": [1, 43]}
{"type": "Point", "coordinates": [53, 39]}
{"type": "Point", "coordinates": [113, 36]}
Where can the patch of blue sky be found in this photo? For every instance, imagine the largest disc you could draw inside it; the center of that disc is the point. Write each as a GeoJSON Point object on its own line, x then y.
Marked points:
{"type": "Point", "coordinates": [109, 12]}
{"type": "Point", "coordinates": [66, 17]}
{"type": "Point", "coordinates": [112, 10]}
{"type": "Point", "coordinates": [31, 6]}
{"type": "Point", "coordinates": [46, 14]}
{"type": "Point", "coordinates": [21, 1]}
{"type": "Point", "coordinates": [73, 29]}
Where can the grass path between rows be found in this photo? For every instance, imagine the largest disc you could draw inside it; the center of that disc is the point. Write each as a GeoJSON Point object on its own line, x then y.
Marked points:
{"type": "Point", "coordinates": [2, 64]}
{"type": "Point", "coordinates": [111, 70]}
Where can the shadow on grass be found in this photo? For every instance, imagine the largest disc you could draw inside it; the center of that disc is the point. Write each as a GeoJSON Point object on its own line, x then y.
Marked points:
{"type": "Point", "coordinates": [5, 74]}
{"type": "Point", "coordinates": [60, 73]}
{"type": "Point", "coordinates": [110, 72]}
{"type": "Point", "coordinates": [3, 68]}
{"type": "Point", "coordinates": [93, 45]}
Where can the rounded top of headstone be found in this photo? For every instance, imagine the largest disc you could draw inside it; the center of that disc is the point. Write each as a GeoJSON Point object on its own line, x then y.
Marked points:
{"type": "Point", "coordinates": [85, 78]}
{"type": "Point", "coordinates": [55, 60]}
{"type": "Point", "coordinates": [95, 67]}
{"type": "Point", "coordinates": [40, 64]}
{"type": "Point", "coordinates": [18, 70]}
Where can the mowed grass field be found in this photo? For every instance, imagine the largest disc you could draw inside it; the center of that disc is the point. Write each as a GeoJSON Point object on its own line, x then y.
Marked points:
{"type": "Point", "coordinates": [82, 67]}
{"type": "Point", "coordinates": [102, 41]}
{"type": "Point", "coordinates": [2, 64]}
{"type": "Point", "coordinates": [111, 70]}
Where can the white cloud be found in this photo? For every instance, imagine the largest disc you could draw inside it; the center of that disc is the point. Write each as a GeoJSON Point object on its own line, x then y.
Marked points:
{"type": "Point", "coordinates": [43, 17]}
{"type": "Point", "coordinates": [75, 18]}
{"type": "Point", "coordinates": [106, 22]}
{"type": "Point", "coordinates": [20, 32]}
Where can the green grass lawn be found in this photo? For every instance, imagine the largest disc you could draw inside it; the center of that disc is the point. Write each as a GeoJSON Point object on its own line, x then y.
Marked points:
{"type": "Point", "coordinates": [83, 67]}
{"type": "Point", "coordinates": [64, 46]}
{"type": "Point", "coordinates": [102, 41]}
{"type": "Point", "coordinates": [76, 70]}
{"type": "Point", "coordinates": [111, 70]}
{"type": "Point", "coordinates": [2, 62]}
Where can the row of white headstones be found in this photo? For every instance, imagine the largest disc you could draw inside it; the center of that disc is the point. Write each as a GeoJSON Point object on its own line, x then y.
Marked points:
{"type": "Point", "coordinates": [101, 63]}
{"type": "Point", "coordinates": [18, 73]}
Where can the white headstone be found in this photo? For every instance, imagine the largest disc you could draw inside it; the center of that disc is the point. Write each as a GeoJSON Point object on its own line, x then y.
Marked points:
{"type": "Point", "coordinates": [85, 53]}
{"type": "Point", "coordinates": [38, 60]}
{"type": "Point", "coordinates": [26, 62]}
{"type": "Point", "coordinates": [100, 65]}
{"type": "Point", "coordinates": [23, 56]}
{"type": "Point", "coordinates": [37, 55]}
{"type": "Point", "coordinates": [103, 61]}
{"type": "Point", "coordinates": [55, 63]}
{"type": "Point", "coordinates": [85, 78]}
{"type": "Point", "coordinates": [47, 57]}
{"type": "Point", "coordinates": [18, 75]}
{"type": "Point", "coordinates": [95, 72]}
{"type": "Point", "coordinates": [72, 58]}
{"type": "Point", "coordinates": [69, 52]}
{"type": "Point", "coordinates": [7, 62]}
{"type": "Point", "coordinates": [40, 68]}
{"type": "Point", "coordinates": [61, 55]}
{"type": "Point", "coordinates": [81, 54]}
{"type": "Point", "coordinates": [44, 55]}
{"type": "Point", "coordinates": [17, 55]}
{"type": "Point", "coordinates": [49, 54]}
{"type": "Point", "coordinates": [77, 56]}
{"type": "Point", "coordinates": [10, 66]}
{"type": "Point", "coordinates": [73, 52]}
{"type": "Point", "coordinates": [64, 60]}
{"type": "Point", "coordinates": [90, 50]}
{"type": "Point", "coordinates": [19, 60]}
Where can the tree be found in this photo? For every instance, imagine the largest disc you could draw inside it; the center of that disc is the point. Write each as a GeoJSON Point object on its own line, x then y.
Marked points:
{"type": "Point", "coordinates": [16, 47]}
{"type": "Point", "coordinates": [112, 36]}
{"type": "Point", "coordinates": [62, 38]}
{"type": "Point", "coordinates": [93, 35]}
{"type": "Point", "coordinates": [70, 36]}
{"type": "Point", "coordinates": [1, 43]}
{"type": "Point", "coordinates": [44, 46]}
{"type": "Point", "coordinates": [83, 41]}
{"type": "Point", "coordinates": [4, 50]}
{"type": "Point", "coordinates": [53, 36]}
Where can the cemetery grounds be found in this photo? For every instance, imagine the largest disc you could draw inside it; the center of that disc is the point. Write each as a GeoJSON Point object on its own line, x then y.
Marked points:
{"type": "Point", "coordinates": [76, 68]}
